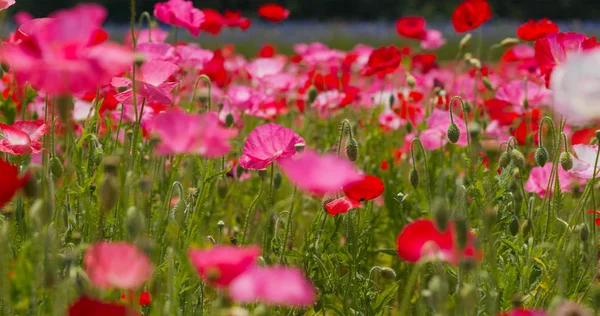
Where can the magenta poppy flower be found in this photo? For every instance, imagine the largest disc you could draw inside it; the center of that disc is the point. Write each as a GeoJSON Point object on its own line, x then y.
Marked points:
{"type": "Point", "coordinates": [22, 138]}
{"type": "Point", "coordinates": [433, 40]}
{"type": "Point", "coordinates": [117, 265]}
{"type": "Point", "coordinates": [539, 176]}
{"type": "Point", "coordinates": [366, 189]}
{"type": "Point", "coordinates": [86, 306]}
{"type": "Point", "coordinates": [180, 13]}
{"type": "Point", "coordinates": [319, 174]}
{"type": "Point", "coordinates": [268, 143]}
{"type": "Point", "coordinates": [263, 67]}
{"type": "Point", "coordinates": [422, 239]}
{"type": "Point", "coordinates": [151, 84]}
{"type": "Point", "coordinates": [184, 133]}
{"type": "Point", "coordinates": [273, 286]}
{"type": "Point", "coordinates": [221, 265]}
{"type": "Point", "coordinates": [518, 92]}
{"type": "Point", "coordinates": [66, 54]}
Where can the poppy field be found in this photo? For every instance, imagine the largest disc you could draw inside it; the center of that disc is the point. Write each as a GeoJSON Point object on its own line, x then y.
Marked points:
{"type": "Point", "coordinates": [151, 176]}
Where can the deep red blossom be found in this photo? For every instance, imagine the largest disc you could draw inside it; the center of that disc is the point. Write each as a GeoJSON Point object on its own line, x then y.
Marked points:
{"type": "Point", "coordinates": [267, 51]}
{"type": "Point", "coordinates": [215, 69]}
{"type": "Point", "coordinates": [412, 27]}
{"type": "Point", "coordinates": [528, 125]}
{"type": "Point", "coordinates": [213, 22]}
{"type": "Point", "coordinates": [368, 188]}
{"type": "Point", "coordinates": [583, 136]}
{"type": "Point", "coordinates": [144, 300]}
{"type": "Point", "coordinates": [534, 30]}
{"type": "Point", "coordinates": [273, 12]}
{"type": "Point", "coordinates": [235, 19]}
{"type": "Point", "coordinates": [424, 62]}
{"type": "Point", "coordinates": [470, 14]}
{"type": "Point", "coordinates": [11, 182]}
{"type": "Point", "coordinates": [383, 61]}
{"type": "Point", "coordinates": [90, 307]}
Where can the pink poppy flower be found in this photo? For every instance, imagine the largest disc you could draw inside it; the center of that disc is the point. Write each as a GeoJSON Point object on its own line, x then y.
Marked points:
{"type": "Point", "coordinates": [182, 133]}
{"type": "Point", "coordinates": [149, 35]}
{"type": "Point", "coordinates": [180, 13]}
{"type": "Point", "coordinates": [328, 101]}
{"type": "Point", "coordinates": [241, 97]}
{"type": "Point", "coordinates": [519, 92]}
{"type": "Point", "coordinates": [583, 164]}
{"type": "Point", "coordinates": [4, 4]}
{"type": "Point", "coordinates": [151, 84]}
{"type": "Point", "coordinates": [273, 286]}
{"type": "Point", "coordinates": [433, 40]}
{"type": "Point", "coordinates": [192, 56]}
{"type": "Point", "coordinates": [538, 180]}
{"type": "Point", "coordinates": [223, 264]}
{"type": "Point", "coordinates": [421, 239]}
{"type": "Point", "coordinates": [22, 17]}
{"type": "Point", "coordinates": [268, 143]}
{"type": "Point", "coordinates": [319, 174]}
{"type": "Point", "coordinates": [65, 55]}
{"type": "Point", "coordinates": [262, 67]}
{"type": "Point", "coordinates": [435, 136]}
{"type": "Point", "coordinates": [117, 265]}
{"type": "Point", "coordinates": [157, 51]}
{"type": "Point", "coordinates": [389, 120]}
{"type": "Point", "coordinates": [22, 138]}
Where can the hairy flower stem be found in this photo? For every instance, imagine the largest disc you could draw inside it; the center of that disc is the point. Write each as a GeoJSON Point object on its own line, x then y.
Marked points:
{"type": "Point", "coordinates": [412, 153]}
{"type": "Point", "coordinates": [207, 81]}
{"type": "Point", "coordinates": [408, 289]}
{"type": "Point", "coordinates": [553, 174]}
{"type": "Point", "coordinates": [345, 128]}
{"type": "Point", "coordinates": [132, 21]}
{"type": "Point", "coordinates": [146, 15]}
{"type": "Point", "coordinates": [249, 210]}
{"type": "Point", "coordinates": [593, 184]}
{"type": "Point", "coordinates": [288, 226]}
{"type": "Point", "coordinates": [464, 109]}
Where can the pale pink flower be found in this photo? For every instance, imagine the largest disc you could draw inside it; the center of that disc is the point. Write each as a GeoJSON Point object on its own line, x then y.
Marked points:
{"type": "Point", "coordinates": [319, 173]}
{"type": "Point", "coordinates": [328, 101]}
{"type": "Point", "coordinates": [157, 51]}
{"type": "Point", "coordinates": [192, 56]}
{"type": "Point", "coordinates": [180, 13]}
{"type": "Point", "coordinates": [519, 92]}
{"type": "Point", "coordinates": [241, 97]}
{"type": "Point", "coordinates": [117, 265]}
{"type": "Point", "coordinates": [82, 110]}
{"type": "Point", "coordinates": [262, 67]}
{"type": "Point", "coordinates": [182, 133]}
{"type": "Point", "coordinates": [538, 180]}
{"type": "Point", "coordinates": [64, 56]}
{"type": "Point", "coordinates": [151, 84]}
{"type": "Point", "coordinates": [583, 164]}
{"type": "Point", "coordinates": [389, 120]}
{"type": "Point", "coordinates": [150, 35]}
{"type": "Point", "coordinates": [269, 143]}
{"type": "Point", "coordinates": [273, 286]}
{"type": "Point", "coordinates": [4, 4]}
{"type": "Point", "coordinates": [433, 40]}
{"type": "Point", "coordinates": [435, 136]}
{"type": "Point", "coordinates": [23, 137]}
{"type": "Point", "coordinates": [223, 264]}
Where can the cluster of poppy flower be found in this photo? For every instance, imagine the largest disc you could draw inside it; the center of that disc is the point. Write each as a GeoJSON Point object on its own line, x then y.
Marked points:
{"type": "Point", "coordinates": [148, 81]}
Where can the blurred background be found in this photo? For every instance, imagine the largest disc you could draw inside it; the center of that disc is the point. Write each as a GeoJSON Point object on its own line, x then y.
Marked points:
{"type": "Point", "coordinates": [344, 23]}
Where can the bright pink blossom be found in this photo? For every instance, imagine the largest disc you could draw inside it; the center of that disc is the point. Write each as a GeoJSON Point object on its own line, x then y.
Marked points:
{"type": "Point", "coordinates": [180, 13]}
{"type": "Point", "coordinates": [273, 286]}
{"type": "Point", "coordinates": [433, 40]}
{"type": "Point", "coordinates": [539, 177]}
{"type": "Point", "coordinates": [268, 143]}
{"type": "Point", "coordinates": [65, 55]}
{"type": "Point", "coordinates": [117, 265]}
{"type": "Point", "coordinates": [23, 137]}
{"type": "Point", "coordinates": [182, 133]}
{"type": "Point", "coordinates": [151, 85]}
{"type": "Point", "coordinates": [435, 136]}
{"type": "Point", "coordinates": [223, 264]}
{"type": "Point", "coordinates": [22, 17]}
{"type": "Point", "coordinates": [319, 173]}
{"type": "Point", "coordinates": [522, 94]}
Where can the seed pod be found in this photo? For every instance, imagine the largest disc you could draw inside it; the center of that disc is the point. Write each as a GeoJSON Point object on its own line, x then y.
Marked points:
{"type": "Point", "coordinates": [222, 188]}
{"type": "Point", "coordinates": [108, 192]}
{"type": "Point", "coordinates": [584, 233]}
{"type": "Point", "coordinates": [566, 161]}
{"type": "Point", "coordinates": [414, 177]}
{"type": "Point", "coordinates": [352, 150]}
{"type": "Point", "coordinates": [56, 167]}
{"type": "Point", "coordinates": [518, 159]}
{"type": "Point", "coordinates": [388, 273]}
{"type": "Point", "coordinates": [277, 179]}
{"type": "Point", "coordinates": [513, 227]}
{"type": "Point", "coordinates": [541, 156]}
{"type": "Point", "coordinates": [504, 160]}
{"type": "Point", "coordinates": [229, 120]}
{"type": "Point", "coordinates": [453, 132]}
{"type": "Point", "coordinates": [312, 94]}
{"type": "Point", "coordinates": [135, 223]}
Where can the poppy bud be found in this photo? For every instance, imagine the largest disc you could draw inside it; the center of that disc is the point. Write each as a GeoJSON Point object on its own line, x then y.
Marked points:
{"type": "Point", "coordinates": [408, 127]}
{"type": "Point", "coordinates": [262, 173]}
{"type": "Point", "coordinates": [487, 83]}
{"type": "Point", "coordinates": [467, 56]}
{"type": "Point", "coordinates": [352, 150]}
{"type": "Point", "coordinates": [410, 81]}
{"type": "Point", "coordinates": [541, 156]}
{"type": "Point", "coordinates": [518, 159]}
{"type": "Point", "coordinates": [56, 167]}
{"type": "Point", "coordinates": [108, 192]}
{"type": "Point", "coordinates": [513, 227]}
{"type": "Point", "coordinates": [229, 120]}
{"type": "Point", "coordinates": [440, 214]}
{"type": "Point", "coordinates": [509, 41]}
{"type": "Point", "coordinates": [135, 223]}
{"type": "Point", "coordinates": [328, 197]}
{"type": "Point", "coordinates": [110, 165]}
{"type": "Point", "coordinates": [388, 273]}
{"type": "Point", "coordinates": [453, 132]}
{"type": "Point", "coordinates": [299, 147]}
{"type": "Point", "coordinates": [414, 177]}
{"type": "Point", "coordinates": [566, 161]}
{"type": "Point", "coordinates": [504, 160]}
{"type": "Point", "coordinates": [277, 181]}
{"type": "Point", "coordinates": [584, 232]}
{"type": "Point", "coordinates": [464, 42]}
{"type": "Point", "coordinates": [461, 232]}
{"type": "Point", "coordinates": [597, 134]}
{"type": "Point", "coordinates": [222, 188]}
{"type": "Point", "coordinates": [312, 94]}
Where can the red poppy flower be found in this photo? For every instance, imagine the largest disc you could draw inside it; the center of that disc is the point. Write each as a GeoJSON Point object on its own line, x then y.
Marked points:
{"type": "Point", "coordinates": [470, 14]}
{"type": "Point", "coordinates": [11, 183]}
{"type": "Point", "coordinates": [583, 136]}
{"type": "Point", "coordinates": [215, 69]}
{"type": "Point", "coordinates": [534, 30]}
{"type": "Point", "coordinates": [529, 125]}
{"type": "Point", "coordinates": [213, 21]}
{"type": "Point", "coordinates": [144, 300]}
{"type": "Point", "coordinates": [421, 239]}
{"type": "Point", "coordinates": [267, 51]}
{"type": "Point", "coordinates": [385, 165]}
{"type": "Point", "coordinates": [383, 61]}
{"type": "Point", "coordinates": [90, 307]}
{"type": "Point", "coordinates": [424, 62]}
{"type": "Point", "coordinates": [235, 19]}
{"type": "Point", "coordinates": [411, 27]}
{"type": "Point", "coordinates": [273, 12]}
{"type": "Point", "coordinates": [369, 188]}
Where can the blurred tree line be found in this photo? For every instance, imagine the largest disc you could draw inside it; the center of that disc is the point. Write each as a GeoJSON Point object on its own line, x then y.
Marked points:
{"type": "Point", "coordinates": [347, 9]}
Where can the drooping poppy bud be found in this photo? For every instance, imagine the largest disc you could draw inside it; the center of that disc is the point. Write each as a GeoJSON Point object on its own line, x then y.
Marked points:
{"type": "Point", "coordinates": [414, 177]}
{"type": "Point", "coordinates": [388, 273]}
{"type": "Point", "coordinates": [518, 159]}
{"type": "Point", "coordinates": [584, 232]}
{"type": "Point", "coordinates": [440, 214]}
{"type": "Point", "coordinates": [222, 188]}
{"type": "Point", "coordinates": [453, 132]}
{"type": "Point", "coordinates": [513, 227]}
{"type": "Point", "coordinates": [229, 120]}
{"type": "Point", "coordinates": [487, 83]}
{"type": "Point", "coordinates": [352, 150]}
{"type": "Point", "coordinates": [504, 160]}
{"type": "Point", "coordinates": [566, 161]}
{"type": "Point", "coordinates": [541, 156]}
{"type": "Point", "coordinates": [312, 94]}
{"type": "Point", "coordinates": [56, 167]}
{"type": "Point", "coordinates": [108, 192]}
{"type": "Point", "coordinates": [277, 181]}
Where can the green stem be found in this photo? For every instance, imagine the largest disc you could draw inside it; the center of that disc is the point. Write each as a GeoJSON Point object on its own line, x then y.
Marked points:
{"type": "Point", "coordinates": [207, 81]}
{"type": "Point", "coordinates": [412, 280]}
{"type": "Point", "coordinates": [288, 226]}
{"type": "Point", "coordinates": [148, 18]}
{"type": "Point", "coordinates": [412, 152]}
{"type": "Point", "coordinates": [246, 220]}
{"type": "Point", "coordinates": [464, 109]}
